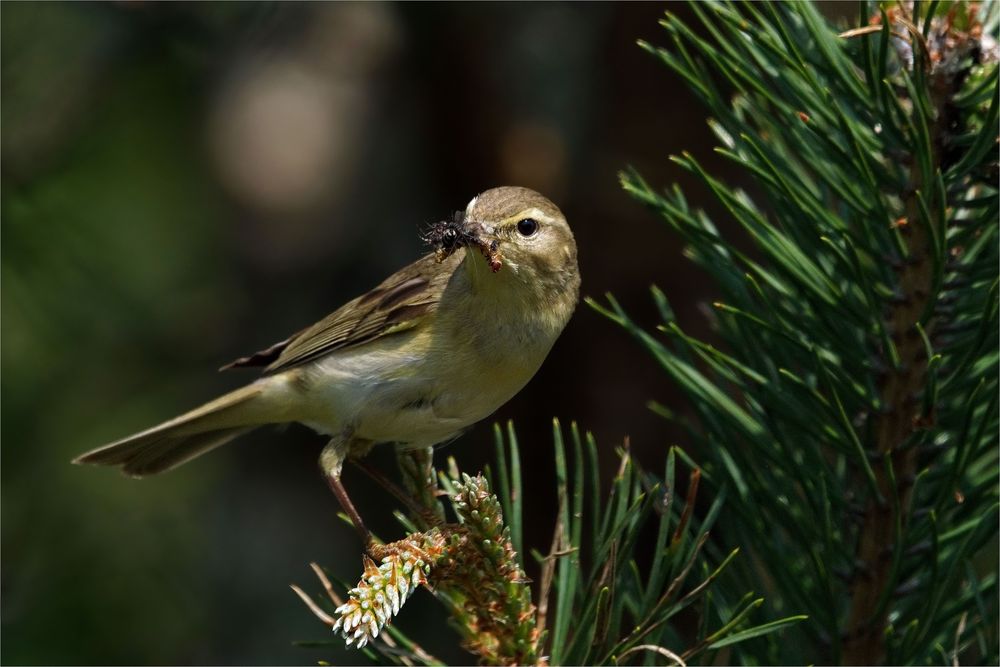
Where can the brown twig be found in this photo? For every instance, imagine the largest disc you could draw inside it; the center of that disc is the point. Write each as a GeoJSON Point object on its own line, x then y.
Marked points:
{"type": "Point", "coordinates": [549, 569]}
{"type": "Point", "coordinates": [313, 607]}
{"type": "Point", "coordinates": [692, 496]}
{"type": "Point", "coordinates": [327, 586]}
{"type": "Point", "coordinates": [904, 381]}
{"type": "Point", "coordinates": [867, 30]}
{"type": "Point", "coordinates": [678, 661]}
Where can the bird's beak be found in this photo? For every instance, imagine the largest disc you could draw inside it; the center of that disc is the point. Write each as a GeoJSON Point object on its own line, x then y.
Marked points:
{"type": "Point", "coordinates": [482, 236]}
{"type": "Point", "coordinates": [479, 233]}
{"type": "Point", "coordinates": [474, 228]}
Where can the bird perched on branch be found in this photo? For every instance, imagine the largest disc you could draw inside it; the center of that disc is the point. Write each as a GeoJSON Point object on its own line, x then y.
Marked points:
{"type": "Point", "coordinates": [435, 348]}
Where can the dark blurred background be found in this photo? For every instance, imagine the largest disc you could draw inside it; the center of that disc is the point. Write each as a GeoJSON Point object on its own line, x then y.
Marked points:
{"type": "Point", "coordinates": [186, 183]}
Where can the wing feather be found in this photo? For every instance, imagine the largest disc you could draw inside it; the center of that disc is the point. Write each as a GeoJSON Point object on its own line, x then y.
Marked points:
{"type": "Point", "coordinates": [401, 302]}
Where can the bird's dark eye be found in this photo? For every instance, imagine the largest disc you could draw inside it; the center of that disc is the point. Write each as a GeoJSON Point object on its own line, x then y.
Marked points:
{"type": "Point", "coordinates": [527, 227]}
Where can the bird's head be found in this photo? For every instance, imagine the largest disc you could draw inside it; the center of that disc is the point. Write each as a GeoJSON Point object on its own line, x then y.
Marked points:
{"type": "Point", "coordinates": [513, 231]}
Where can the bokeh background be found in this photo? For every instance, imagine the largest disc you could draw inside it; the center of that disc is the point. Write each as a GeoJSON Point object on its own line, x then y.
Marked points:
{"type": "Point", "coordinates": [185, 183]}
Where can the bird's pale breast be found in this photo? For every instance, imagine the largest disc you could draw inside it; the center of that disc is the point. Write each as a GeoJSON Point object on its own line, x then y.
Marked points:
{"type": "Point", "coordinates": [423, 387]}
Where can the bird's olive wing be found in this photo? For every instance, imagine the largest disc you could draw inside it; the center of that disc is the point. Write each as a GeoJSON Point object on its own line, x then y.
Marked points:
{"type": "Point", "coordinates": [400, 303]}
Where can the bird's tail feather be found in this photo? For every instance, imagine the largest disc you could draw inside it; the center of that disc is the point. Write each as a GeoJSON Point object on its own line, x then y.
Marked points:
{"type": "Point", "coordinates": [179, 440]}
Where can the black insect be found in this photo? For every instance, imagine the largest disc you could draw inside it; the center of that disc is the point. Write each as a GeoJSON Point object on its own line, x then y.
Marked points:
{"type": "Point", "coordinates": [447, 236]}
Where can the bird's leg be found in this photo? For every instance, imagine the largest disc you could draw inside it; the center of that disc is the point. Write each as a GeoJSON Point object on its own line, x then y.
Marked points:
{"type": "Point", "coordinates": [352, 513]}
{"type": "Point", "coordinates": [331, 461]}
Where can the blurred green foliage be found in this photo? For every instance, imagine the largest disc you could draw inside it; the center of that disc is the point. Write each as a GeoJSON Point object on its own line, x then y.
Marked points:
{"type": "Point", "coordinates": [131, 266]}
{"type": "Point", "coordinates": [86, 318]}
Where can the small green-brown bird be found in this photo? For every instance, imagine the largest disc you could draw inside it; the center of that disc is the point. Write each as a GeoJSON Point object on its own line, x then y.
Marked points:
{"type": "Point", "coordinates": [435, 348]}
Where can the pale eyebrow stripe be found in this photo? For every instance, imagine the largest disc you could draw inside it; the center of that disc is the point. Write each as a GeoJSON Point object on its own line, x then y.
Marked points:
{"type": "Point", "coordinates": [535, 213]}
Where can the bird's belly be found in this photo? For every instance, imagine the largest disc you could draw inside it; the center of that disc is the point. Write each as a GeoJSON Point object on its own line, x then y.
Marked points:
{"type": "Point", "coordinates": [426, 413]}
{"type": "Point", "coordinates": [418, 401]}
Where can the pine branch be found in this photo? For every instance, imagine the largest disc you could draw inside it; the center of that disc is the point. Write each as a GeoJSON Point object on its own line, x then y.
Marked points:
{"type": "Point", "coordinates": [852, 406]}
{"type": "Point", "coordinates": [940, 53]}
{"type": "Point", "coordinates": [594, 606]}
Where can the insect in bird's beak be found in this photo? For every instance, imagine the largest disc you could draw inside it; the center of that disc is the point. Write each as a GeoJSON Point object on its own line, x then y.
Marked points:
{"type": "Point", "coordinates": [447, 236]}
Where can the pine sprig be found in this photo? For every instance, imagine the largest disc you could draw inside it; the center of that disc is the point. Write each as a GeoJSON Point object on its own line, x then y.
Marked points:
{"type": "Point", "coordinates": [486, 587]}
{"type": "Point", "coordinates": [384, 588]}
{"type": "Point", "coordinates": [595, 605]}
{"type": "Point", "coordinates": [852, 406]}
{"type": "Point", "coordinates": [471, 563]}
